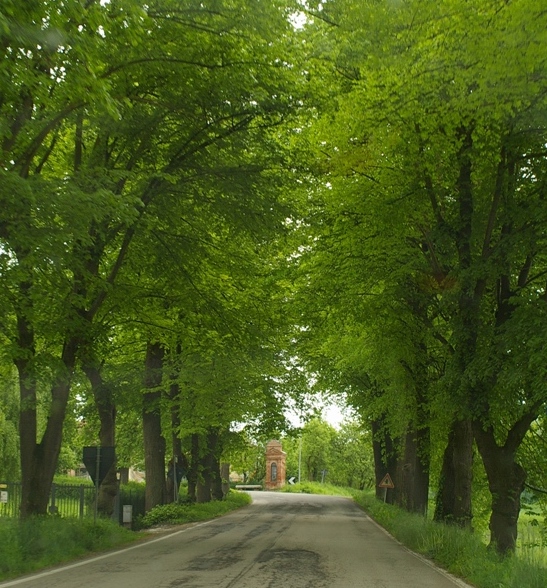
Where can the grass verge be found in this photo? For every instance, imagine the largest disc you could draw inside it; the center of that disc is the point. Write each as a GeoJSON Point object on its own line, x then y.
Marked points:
{"type": "Point", "coordinates": [318, 488]}
{"type": "Point", "coordinates": [177, 514]}
{"type": "Point", "coordinates": [31, 545]}
{"type": "Point", "coordinates": [37, 543]}
{"type": "Point", "coordinates": [460, 552]}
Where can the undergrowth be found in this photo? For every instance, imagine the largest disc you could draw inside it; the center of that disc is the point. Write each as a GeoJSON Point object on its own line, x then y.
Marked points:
{"type": "Point", "coordinates": [36, 543]}
{"type": "Point", "coordinates": [31, 545]}
{"type": "Point", "coordinates": [318, 488]}
{"type": "Point", "coordinates": [461, 552]}
{"type": "Point", "coordinates": [176, 513]}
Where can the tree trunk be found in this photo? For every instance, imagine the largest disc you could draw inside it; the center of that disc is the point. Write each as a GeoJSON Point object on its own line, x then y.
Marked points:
{"type": "Point", "coordinates": [124, 475]}
{"type": "Point", "coordinates": [154, 442]}
{"type": "Point", "coordinates": [102, 394]}
{"type": "Point", "coordinates": [214, 445]}
{"type": "Point", "coordinates": [193, 470]}
{"type": "Point", "coordinates": [413, 473]}
{"type": "Point", "coordinates": [206, 473]}
{"type": "Point", "coordinates": [506, 480]}
{"type": "Point", "coordinates": [385, 458]}
{"type": "Point", "coordinates": [39, 460]}
{"type": "Point", "coordinates": [453, 503]}
{"type": "Point", "coordinates": [178, 462]}
{"type": "Point", "coordinates": [217, 489]}
{"type": "Point", "coordinates": [225, 478]}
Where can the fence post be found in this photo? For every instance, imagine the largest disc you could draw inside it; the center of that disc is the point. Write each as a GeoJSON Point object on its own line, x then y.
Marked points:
{"type": "Point", "coordinates": [82, 500]}
{"type": "Point", "coordinates": [53, 507]}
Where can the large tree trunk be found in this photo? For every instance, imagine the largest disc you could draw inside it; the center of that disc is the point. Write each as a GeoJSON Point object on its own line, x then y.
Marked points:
{"type": "Point", "coordinates": [39, 460]}
{"type": "Point", "coordinates": [154, 442]}
{"type": "Point", "coordinates": [412, 480]}
{"type": "Point", "coordinates": [453, 503]}
{"type": "Point", "coordinates": [178, 464]}
{"type": "Point", "coordinates": [506, 480]}
{"type": "Point", "coordinates": [102, 394]}
{"type": "Point", "coordinates": [206, 470]}
{"type": "Point", "coordinates": [215, 449]}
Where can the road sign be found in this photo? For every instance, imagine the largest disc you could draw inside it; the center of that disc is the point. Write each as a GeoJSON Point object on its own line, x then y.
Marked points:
{"type": "Point", "coordinates": [3, 497]}
{"type": "Point", "coordinates": [386, 482]}
{"type": "Point", "coordinates": [292, 479]}
{"type": "Point", "coordinates": [127, 513]}
{"type": "Point", "coordinates": [98, 460]}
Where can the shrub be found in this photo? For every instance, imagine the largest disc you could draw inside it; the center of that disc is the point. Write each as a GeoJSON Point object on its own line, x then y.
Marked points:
{"type": "Point", "coordinates": [177, 513]}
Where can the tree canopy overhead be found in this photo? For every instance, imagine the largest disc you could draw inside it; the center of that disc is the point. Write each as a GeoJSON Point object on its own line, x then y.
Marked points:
{"type": "Point", "coordinates": [208, 206]}
{"type": "Point", "coordinates": [427, 242]}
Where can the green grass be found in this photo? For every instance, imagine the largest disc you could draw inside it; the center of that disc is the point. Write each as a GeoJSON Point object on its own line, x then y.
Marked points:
{"type": "Point", "coordinates": [37, 543]}
{"type": "Point", "coordinates": [176, 514]}
{"type": "Point", "coordinates": [461, 552]}
{"type": "Point", "coordinates": [318, 488]}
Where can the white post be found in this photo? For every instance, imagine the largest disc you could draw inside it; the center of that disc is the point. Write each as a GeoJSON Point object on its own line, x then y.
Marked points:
{"type": "Point", "coordinates": [299, 458]}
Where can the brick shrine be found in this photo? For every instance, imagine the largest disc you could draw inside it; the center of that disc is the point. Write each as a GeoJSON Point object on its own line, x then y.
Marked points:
{"type": "Point", "coordinates": [276, 465]}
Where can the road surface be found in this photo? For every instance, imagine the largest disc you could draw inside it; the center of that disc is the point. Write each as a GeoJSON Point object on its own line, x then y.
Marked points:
{"type": "Point", "coordinates": [281, 540]}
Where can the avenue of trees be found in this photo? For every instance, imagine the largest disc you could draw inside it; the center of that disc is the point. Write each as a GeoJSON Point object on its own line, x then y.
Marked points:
{"type": "Point", "coordinates": [208, 209]}
{"type": "Point", "coordinates": [426, 242]}
{"type": "Point", "coordinates": [145, 170]}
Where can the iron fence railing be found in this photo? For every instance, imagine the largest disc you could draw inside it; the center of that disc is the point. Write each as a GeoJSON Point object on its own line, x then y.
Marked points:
{"type": "Point", "coordinates": [70, 500]}
{"type": "Point", "coordinates": [67, 500]}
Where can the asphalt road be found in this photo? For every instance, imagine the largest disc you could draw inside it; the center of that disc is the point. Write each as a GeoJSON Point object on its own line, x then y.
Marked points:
{"type": "Point", "coordinates": [281, 540]}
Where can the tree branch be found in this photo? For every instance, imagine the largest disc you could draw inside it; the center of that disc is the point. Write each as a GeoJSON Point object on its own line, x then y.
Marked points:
{"type": "Point", "coordinates": [498, 190]}
{"type": "Point", "coordinates": [520, 428]}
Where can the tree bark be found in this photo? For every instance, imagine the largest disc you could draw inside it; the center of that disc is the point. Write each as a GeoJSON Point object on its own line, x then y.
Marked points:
{"type": "Point", "coordinates": [214, 444]}
{"type": "Point", "coordinates": [206, 473]}
{"type": "Point", "coordinates": [453, 503]}
{"type": "Point", "coordinates": [39, 460]}
{"type": "Point", "coordinates": [102, 394]}
{"type": "Point", "coordinates": [193, 470]}
{"type": "Point", "coordinates": [178, 460]}
{"type": "Point", "coordinates": [506, 480]}
{"type": "Point", "coordinates": [413, 473]}
{"type": "Point", "coordinates": [154, 442]}
{"type": "Point", "coordinates": [225, 478]}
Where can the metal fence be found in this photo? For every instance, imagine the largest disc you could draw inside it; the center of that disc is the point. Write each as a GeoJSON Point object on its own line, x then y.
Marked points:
{"type": "Point", "coordinates": [70, 500]}
{"type": "Point", "coordinates": [67, 500]}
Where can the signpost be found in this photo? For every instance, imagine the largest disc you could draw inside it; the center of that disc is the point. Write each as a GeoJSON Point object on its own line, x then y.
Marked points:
{"type": "Point", "coordinates": [386, 483]}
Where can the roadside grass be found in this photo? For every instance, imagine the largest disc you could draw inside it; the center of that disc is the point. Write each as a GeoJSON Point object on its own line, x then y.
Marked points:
{"type": "Point", "coordinates": [37, 543]}
{"type": "Point", "coordinates": [318, 488]}
{"type": "Point", "coordinates": [461, 552]}
{"type": "Point", "coordinates": [34, 544]}
{"type": "Point", "coordinates": [177, 514]}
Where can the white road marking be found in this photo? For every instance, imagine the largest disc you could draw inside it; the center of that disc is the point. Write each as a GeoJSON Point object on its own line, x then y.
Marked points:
{"type": "Point", "coordinates": [98, 558]}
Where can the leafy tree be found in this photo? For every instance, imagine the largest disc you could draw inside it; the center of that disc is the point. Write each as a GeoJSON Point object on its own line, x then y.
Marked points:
{"type": "Point", "coordinates": [101, 149]}
{"type": "Point", "coordinates": [440, 130]}
{"type": "Point", "coordinates": [351, 461]}
{"type": "Point", "coordinates": [9, 441]}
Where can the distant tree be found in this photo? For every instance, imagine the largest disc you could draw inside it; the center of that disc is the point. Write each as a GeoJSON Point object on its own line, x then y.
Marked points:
{"type": "Point", "coordinates": [352, 463]}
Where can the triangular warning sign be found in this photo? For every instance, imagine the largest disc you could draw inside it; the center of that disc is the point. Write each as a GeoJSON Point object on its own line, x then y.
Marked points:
{"type": "Point", "coordinates": [386, 482]}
